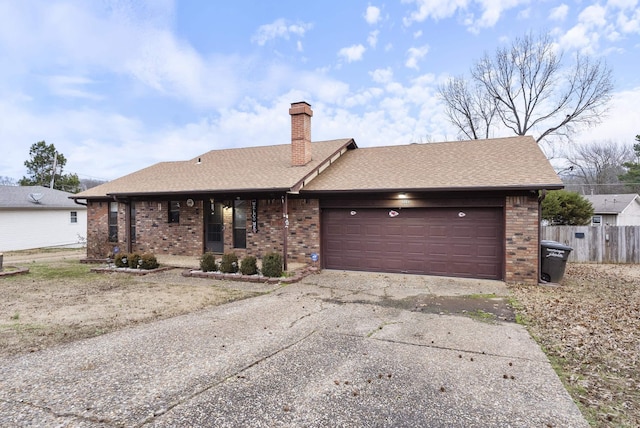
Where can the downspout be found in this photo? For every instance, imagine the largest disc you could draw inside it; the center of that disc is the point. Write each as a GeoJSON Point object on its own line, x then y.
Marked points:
{"type": "Point", "coordinates": [80, 203]}
{"type": "Point", "coordinates": [285, 218]}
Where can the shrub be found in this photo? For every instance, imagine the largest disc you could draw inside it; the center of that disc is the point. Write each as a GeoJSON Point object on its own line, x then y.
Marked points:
{"type": "Point", "coordinates": [229, 263]}
{"type": "Point", "coordinates": [208, 262]}
{"type": "Point", "coordinates": [149, 261]}
{"type": "Point", "coordinates": [133, 260]}
{"type": "Point", "coordinates": [121, 260]}
{"type": "Point", "coordinates": [249, 266]}
{"type": "Point", "coordinates": [272, 265]}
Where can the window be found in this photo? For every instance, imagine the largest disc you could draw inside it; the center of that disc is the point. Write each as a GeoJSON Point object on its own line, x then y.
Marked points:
{"type": "Point", "coordinates": [596, 220]}
{"type": "Point", "coordinates": [113, 222]}
{"type": "Point", "coordinates": [74, 217]}
{"type": "Point", "coordinates": [239, 224]}
{"type": "Point", "coordinates": [174, 212]}
{"type": "Point", "coordinates": [132, 230]}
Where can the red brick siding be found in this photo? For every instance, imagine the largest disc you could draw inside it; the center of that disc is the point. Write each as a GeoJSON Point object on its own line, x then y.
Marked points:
{"type": "Point", "coordinates": [154, 234]}
{"type": "Point", "coordinates": [157, 236]}
{"type": "Point", "coordinates": [521, 246]}
{"type": "Point", "coordinates": [304, 229]}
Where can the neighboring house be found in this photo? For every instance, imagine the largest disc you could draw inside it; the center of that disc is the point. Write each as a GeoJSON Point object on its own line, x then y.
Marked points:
{"type": "Point", "coordinates": [615, 210]}
{"type": "Point", "coordinates": [466, 208]}
{"type": "Point", "coordinates": [37, 217]}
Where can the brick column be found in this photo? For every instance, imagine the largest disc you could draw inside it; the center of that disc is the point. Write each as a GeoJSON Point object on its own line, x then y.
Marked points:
{"type": "Point", "coordinates": [522, 246]}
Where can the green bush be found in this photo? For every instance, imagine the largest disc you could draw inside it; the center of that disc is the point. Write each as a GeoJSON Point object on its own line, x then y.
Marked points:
{"type": "Point", "coordinates": [229, 263]}
{"type": "Point", "coordinates": [208, 262]}
{"type": "Point", "coordinates": [121, 260]}
{"type": "Point", "coordinates": [133, 260]}
{"type": "Point", "coordinates": [249, 266]}
{"type": "Point", "coordinates": [149, 261]}
{"type": "Point", "coordinates": [272, 265]}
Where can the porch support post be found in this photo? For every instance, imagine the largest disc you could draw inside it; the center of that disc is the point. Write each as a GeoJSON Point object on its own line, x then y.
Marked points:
{"type": "Point", "coordinates": [127, 225]}
{"type": "Point", "coordinates": [285, 218]}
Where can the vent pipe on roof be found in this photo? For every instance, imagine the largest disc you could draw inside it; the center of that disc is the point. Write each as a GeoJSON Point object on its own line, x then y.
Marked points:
{"type": "Point", "coordinates": [300, 133]}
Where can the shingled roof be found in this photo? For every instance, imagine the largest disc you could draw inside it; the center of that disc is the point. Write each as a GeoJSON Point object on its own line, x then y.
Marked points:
{"type": "Point", "coordinates": [265, 168]}
{"type": "Point", "coordinates": [492, 164]}
{"type": "Point", "coordinates": [36, 198]}
{"type": "Point", "coordinates": [612, 204]}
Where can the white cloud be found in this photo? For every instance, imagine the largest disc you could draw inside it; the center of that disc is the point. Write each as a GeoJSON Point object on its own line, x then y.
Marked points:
{"type": "Point", "coordinates": [619, 124]}
{"type": "Point", "coordinates": [524, 13]}
{"type": "Point", "coordinates": [352, 53]}
{"type": "Point", "coordinates": [280, 28]}
{"type": "Point", "coordinates": [372, 15]}
{"type": "Point", "coordinates": [372, 40]}
{"type": "Point", "coordinates": [382, 75]}
{"type": "Point", "coordinates": [594, 15]}
{"type": "Point", "coordinates": [489, 11]}
{"type": "Point", "coordinates": [559, 13]}
{"type": "Point", "coordinates": [629, 23]}
{"type": "Point", "coordinates": [414, 55]}
{"type": "Point", "coordinates": [71, 86]}
{"type": "Point", "coordinates": [417, 34]}
{"type": "Point", "coordinates": [435, 9]}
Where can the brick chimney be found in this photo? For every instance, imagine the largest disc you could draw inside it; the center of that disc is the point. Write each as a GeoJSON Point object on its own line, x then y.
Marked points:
{"type": "Point", "coordinates": [300, 133]}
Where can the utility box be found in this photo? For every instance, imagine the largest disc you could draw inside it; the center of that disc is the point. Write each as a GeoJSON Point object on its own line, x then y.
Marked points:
{"type": "Point", "coordinates": [554, 260]}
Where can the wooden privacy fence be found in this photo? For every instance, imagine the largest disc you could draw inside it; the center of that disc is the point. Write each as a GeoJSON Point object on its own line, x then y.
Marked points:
{"type": "Point", "coordinates": [599, 244]}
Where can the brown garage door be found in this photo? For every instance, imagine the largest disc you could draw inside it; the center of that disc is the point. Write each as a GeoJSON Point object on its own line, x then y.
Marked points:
{"type": "Point", "coordinates": [466, 242]}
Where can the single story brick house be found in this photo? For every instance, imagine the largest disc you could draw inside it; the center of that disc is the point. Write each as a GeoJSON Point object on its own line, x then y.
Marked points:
{"type": "Point", "coordinates": [463, 209]}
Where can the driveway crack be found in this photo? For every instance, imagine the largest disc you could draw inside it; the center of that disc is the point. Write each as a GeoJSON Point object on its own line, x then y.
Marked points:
{"type": "Point", "coordinates": [214, 384]}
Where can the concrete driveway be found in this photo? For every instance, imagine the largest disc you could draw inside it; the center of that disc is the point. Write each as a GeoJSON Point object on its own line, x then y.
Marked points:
{"type": "Point", "coordinates": [337, 349]}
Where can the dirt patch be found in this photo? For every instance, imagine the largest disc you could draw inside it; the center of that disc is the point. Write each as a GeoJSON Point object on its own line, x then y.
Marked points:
{"type": "Point", "coordinates": [590, 328]}
{"type": "Point", "coordinates": [62, 301]}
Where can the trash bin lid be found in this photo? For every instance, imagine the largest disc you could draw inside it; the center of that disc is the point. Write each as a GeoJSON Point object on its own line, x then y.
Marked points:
{"type": "Point", "coordinates": [554, 244]}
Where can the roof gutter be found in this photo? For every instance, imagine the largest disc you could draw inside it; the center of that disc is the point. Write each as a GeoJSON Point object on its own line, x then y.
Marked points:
{"type": "Point", "coordinates": [194, 192]}
{"type": "Point", "coordinates": [439, 189]}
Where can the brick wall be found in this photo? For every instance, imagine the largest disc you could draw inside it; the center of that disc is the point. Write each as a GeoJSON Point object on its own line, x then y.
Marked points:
{"type": "Point", "coordinates": [304, 229]}
{"type": "Point", "coordinates": [98, 229]}
{"type": "Point", "coordinates": [521, 247]}
{"type": "Point", "coordinates": [154, 233]}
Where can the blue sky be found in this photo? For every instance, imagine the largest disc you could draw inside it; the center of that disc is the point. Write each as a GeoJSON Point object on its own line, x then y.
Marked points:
{"type": "Point", "coordinates": [119, 85]}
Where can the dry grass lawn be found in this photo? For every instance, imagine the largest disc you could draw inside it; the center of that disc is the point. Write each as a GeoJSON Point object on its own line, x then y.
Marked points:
{"type": "Point", "coordinates": [590, 329]}
{"type": "Point", "coordinates": [62, 301]}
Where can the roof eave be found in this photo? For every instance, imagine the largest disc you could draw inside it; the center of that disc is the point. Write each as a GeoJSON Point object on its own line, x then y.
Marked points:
{"type": "Point", "coordinates": [441, 189]}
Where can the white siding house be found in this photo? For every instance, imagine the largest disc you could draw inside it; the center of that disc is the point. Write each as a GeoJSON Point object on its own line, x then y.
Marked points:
{"type": "Point", "coordinates": [615, 210]}
{"type": "Point", "coordinates": [37, 217]}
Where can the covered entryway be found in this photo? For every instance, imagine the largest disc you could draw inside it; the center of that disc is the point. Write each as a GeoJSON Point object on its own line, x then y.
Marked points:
{"type": "Point", "coordinates": [465, 242]}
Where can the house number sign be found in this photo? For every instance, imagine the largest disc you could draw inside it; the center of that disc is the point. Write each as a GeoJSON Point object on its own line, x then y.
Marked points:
{"type": "Point", "coordinates": [254, 215]}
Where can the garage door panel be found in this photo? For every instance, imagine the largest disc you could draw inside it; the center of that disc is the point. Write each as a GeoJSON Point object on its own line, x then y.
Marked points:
{"type": "Point", "coordinates": [427, 241]}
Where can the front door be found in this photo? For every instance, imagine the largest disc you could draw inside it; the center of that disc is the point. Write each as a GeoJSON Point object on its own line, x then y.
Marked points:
{"type": "Point", "coordinates": [214, 232]}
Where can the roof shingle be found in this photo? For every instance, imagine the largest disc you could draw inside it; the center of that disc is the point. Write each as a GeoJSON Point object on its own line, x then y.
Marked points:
{"type": "Point", "coordinates": [245, 169]}
{"type": "Point", "coordinates": [500, 163]}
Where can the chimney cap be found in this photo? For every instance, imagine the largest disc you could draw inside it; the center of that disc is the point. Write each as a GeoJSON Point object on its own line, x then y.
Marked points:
{"type": "Point", "coordinates": [300, 102]}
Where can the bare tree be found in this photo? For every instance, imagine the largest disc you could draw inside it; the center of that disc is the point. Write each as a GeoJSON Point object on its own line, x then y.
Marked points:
{"type": "Point", "coordinates": [530, 91]}
{"type": "Point", "coordinates": [470, 111]}
{"type": "Point", "coordinates": [595, 167]}
{"type": "Point", "coordinates": [8, 181]}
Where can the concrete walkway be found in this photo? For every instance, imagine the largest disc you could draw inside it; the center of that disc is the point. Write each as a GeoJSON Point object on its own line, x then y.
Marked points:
{"type": "Point", "coordinates": [337, 349]}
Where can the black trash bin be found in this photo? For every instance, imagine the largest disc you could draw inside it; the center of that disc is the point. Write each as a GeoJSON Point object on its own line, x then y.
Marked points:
{"type": "Point", "coordinates": [554, 260]}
